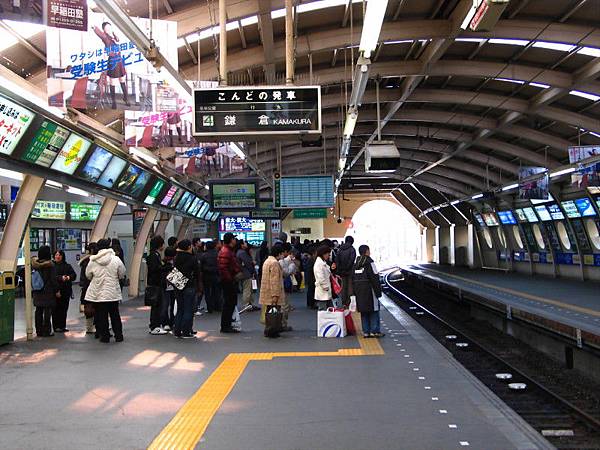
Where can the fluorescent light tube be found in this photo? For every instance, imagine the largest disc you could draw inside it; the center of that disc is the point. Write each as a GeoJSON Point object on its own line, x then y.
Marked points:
{"type": "Point", "coordinates": [476, 196]}
{"type": "Point", "coordinates": [54, 184]}
{"type": "Point", "coordinates": [77, 191]}
{"type": "Point", "coordinates": [455, 202]}
{"type": "Point", "coordinates": [11, 174]}
{"type": "Point", "coordinates": [351, 119]}
{"type": "Point", "coordinates": [372, 26]}
{"type": "Point", "coordinates": [510, 186]}
{"type": "Point", "coordinates": [562, 172]}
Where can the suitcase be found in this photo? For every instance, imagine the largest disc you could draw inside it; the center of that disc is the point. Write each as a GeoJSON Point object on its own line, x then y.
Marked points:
{"type": "Point", "coordinates": [273, 321]}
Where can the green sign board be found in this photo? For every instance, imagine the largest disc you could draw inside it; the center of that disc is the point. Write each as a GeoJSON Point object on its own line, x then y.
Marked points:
{"type": "Point", "coordinates": [314, 213]}
{"type": "Point", "coordinates": [46, 144]}
{"type": "Point", "coordinates": [233, 195]}
{"type": "Point", "coordinates": [84, 211]}
{"type": "Point", "coordinates": [265, 211]}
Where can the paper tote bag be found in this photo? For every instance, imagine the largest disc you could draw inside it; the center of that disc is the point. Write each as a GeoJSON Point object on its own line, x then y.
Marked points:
{"type": "Point", "coordinates": [331, 323]}
{"type": "Point", "coordinates": [177, 279]}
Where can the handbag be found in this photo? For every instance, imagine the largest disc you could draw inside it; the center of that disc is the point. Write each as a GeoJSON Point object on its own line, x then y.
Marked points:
{"type": "Point", "coordinates": [350, 329]}
{"type": "Point", "coordinates": [336, 284]}
{"type": "Point", "coordinates": [273, 321]}
{"type": "Point", "coordinates": [151, 295]}
{"type": "Point", "coordinates": [177, 279]}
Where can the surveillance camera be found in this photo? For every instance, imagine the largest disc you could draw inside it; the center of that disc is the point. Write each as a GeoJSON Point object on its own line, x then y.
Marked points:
{"type": "Point", "coordinates": [339, 220]}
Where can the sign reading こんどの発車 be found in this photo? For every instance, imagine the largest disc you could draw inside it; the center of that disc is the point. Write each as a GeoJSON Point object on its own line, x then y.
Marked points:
{"type": "Point", "coordinates": [233, 195]}
{"type": "Point", "coordinates": [230, 111]}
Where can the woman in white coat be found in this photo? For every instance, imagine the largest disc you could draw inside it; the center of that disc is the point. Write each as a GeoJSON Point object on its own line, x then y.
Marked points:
{"type": "Point", "coordinates": [104, 271]}
{"type": "Point", "coordinates": [323, 291]}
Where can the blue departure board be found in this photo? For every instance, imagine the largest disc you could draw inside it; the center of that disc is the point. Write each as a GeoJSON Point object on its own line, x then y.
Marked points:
{"type": "Point", "coordinates": [314, 191]}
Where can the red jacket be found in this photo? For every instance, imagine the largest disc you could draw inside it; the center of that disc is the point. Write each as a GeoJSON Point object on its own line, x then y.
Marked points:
{"type": "Point", "coordinates": [228, 265]}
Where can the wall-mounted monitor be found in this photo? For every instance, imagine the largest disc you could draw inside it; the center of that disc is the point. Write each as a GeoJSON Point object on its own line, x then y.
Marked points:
{"type": "Point", "coordinates": [84, 212]}
{"type": "Point", "coordinates": [543, 213]}
{"type": "Point", "coordinates": [112, 172]}
{"type": "Point", "coordinates": [585, 207]}
{"type": "Point", "coordinates": [312, 191]}
{"type": "Point", "coordinates": [233, 195]}
{"type": "Point", "coordinates": [570, 209]}
{"type": "Point", "coordinates": [71, 154]}
{"type": "Point", "coordinates": [49, 210]}
{"type": "Point", "coordinates": [15, 120]}
{"type": "Point", "coordinates": [490, 219]}
{"type": "Point", "coordinates": [176, 197]}
{"type": "Point", "coordinates": [235, 224]}
{"type": "Point", "coordinates": [254, 238]}
{"type": "Point", "coordinates": [530, 215]}
{"type": "Point", "coordinates": [155, 191]}
{"type": "Point", "coordinates": [49, 139]}
{"type": "Point", "coordinates": [555, 212]}
{"type": "Point", "coordinates": [507, 218]}
{"type": "Point", "coordinates": [195, 206]}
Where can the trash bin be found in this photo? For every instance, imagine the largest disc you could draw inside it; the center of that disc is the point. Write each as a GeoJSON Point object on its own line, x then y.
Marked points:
{"type": "Point", "coordinates": [7, 307]}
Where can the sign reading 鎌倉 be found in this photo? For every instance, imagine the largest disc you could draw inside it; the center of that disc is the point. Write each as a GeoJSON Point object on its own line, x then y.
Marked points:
{"type": "Point", "coordinates": [310, 213]}
{"type": "Point", "coordinates": [69, 14]}
{"type": "Point", "coordinates": [230, 111]}
{"type": "Point", "coordinates": [312, 191]}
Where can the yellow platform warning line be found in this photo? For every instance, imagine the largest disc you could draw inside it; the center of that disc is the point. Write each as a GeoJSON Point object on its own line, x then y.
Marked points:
{"type": "Point", "coordinates": [536, 298]}
{"type": "Point", "coordinates": [188, 426]}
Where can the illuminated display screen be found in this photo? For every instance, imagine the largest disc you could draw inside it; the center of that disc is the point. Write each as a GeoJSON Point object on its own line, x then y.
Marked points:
{"type": "Point", "coordinates": [194, 207]}
{"type": "Point", "coordinates": [234, 195]}
{"type": "Point", "coordinates": [133, 180]}
{"type": "Point", "coordinates": [236, 224]}
{"type": "Point", "coordinates": [153, 194]}
{"type": "Point", "coordinates": [530, 215]}
{"type": "Point", "coordinates": [49, 210]}
{"type": "Point", "coordinates": [96, 164]}
{"type": "Point", "coordinates": [47, 142]}
{"type": "Point", "coordinates": [479, 219]}
{"type": "Point", "coordinates": [303, 192]}
{"type": "Point", "coordinates": [252, 237]}
{"type": "Point", "coordinates": [543, 213]}
{"type": "Point", "coordinates": [203, 210]}
{"type": "Point", "coordinates": [490, 219]}
{"type": "Point", "coordinates": [555, 212]}
{"type": "Point", "coordinates": [521, 215]}
{"type": "Point", "coordinates": [585, 207]}
{"type": "Point", "coordinates": [570, 209]}
{"type": "Point", "coordinates": [185, 201]}
{"type": "Point", "coordinates": [168, 196]}
{"type": "Point", "coordinates": [71, 154]}
{"type": "Point", "coordinates": [507, 218]}
{"type": "Point", "coordinates": [111, 174]}
{"type": "Point", "coordinates": [176, 198]}
{"type": "Point", "coordinates": [84, 211]}
{"type": "Point", "coordinates": [14, 121]}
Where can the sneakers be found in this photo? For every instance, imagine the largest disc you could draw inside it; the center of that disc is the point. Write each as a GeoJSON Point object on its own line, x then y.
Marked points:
{"type": "Point", "coordinates": [158, 331]}
{"type": "Point", "coordinates": [229, 330]}
{"type": "Point", "coordinates": [198, 313]}
{"type": "Point", "coordinates": [167, 328]}
{"type": "Point", "coordinates": [377, 335]}
{"type": "Point", "coordinates": [186, 336]}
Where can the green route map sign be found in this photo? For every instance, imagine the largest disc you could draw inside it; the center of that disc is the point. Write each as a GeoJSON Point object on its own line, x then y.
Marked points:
{"type": "Point", "coordinates": [84, 212]}
{"type": "Point", "coordinates": [233, 195]}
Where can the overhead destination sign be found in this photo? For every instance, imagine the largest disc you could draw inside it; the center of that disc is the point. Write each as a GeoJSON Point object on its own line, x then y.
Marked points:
{"type": "Point", "coordinates": [313, 191]}
{"type": "Point", "coordinates": [230, 111]}
{"type": "Point", "coordinates": [233, 195]}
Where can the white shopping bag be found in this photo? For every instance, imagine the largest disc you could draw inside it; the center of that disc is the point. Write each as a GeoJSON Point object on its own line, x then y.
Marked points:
{"type": "Point", "coordinates": [254, 284]}
{"type": "Point", "coordinates": [331, 323]}
{"type": "Point", "coordinates": [352, 306]}
{"type": "Point", "coordinates": [236, 320]}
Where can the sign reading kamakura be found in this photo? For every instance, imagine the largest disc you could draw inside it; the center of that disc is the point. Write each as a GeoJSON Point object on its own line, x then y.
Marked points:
{"type": "Point", "coordinates": [229, 111]}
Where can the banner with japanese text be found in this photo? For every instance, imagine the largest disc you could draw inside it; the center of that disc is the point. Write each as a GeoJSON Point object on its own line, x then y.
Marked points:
{"type": "Point", "coordinates": [534, 183]}
{"type": "Point", "coordinates": [210, 160]}
{"type": "Point", "coordinates": [102, 69]}
{"type": "Point", "coordinates": [586, 174]}
{"type": "Point", "coordinates": [68, 14]}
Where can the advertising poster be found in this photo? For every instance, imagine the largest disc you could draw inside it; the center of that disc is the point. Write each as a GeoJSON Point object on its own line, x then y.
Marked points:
{"type": "Point", "coordinates": [22, 10]}
{"type": "Point", "coordinates": [208, 160]}
{"type": "Point", "coordinates": [533, 183]}
{"type": "Point", "coordinates": [46, 144]}
{"type": "Point", "coordinates": [96, 164]}
{"type": "Point", "coordinates": [14, 121]}
{"type": "Point", "coordinates": [586, 174]}
{"type": "Point", "coordinates": [68, 14]}
{"type": "Point", "coordinates": [71, 154]}
{"type": "Point", "coordinates": [153, 129]}
{"type": "Point", "coordinates": [132, 182]}
{"type": "Point", "coordinates": [49, 210]}
{"type": "Point", "coordinates": [138, 220]}
{"type": "Point", "coordinates": [156, 188]}
{"type": "Point", "coordinates": [112, 172]}
{"type": "Point", "coordinates": [81, 212]}
{"type": "Point", "coordinates": [68, 239]}
{"type": "Point", "coordinates": [101, 68]}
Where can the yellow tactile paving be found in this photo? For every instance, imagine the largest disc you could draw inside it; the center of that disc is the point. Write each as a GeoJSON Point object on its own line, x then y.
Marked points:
{"type": "Point", "coordinates": [185, 430]}
{"type": "Point", "coordinates": [579, 309]}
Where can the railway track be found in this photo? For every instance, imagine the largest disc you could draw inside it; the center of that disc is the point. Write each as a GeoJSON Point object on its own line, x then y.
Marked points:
{"type": "Point", "coordinates": [556, 415]}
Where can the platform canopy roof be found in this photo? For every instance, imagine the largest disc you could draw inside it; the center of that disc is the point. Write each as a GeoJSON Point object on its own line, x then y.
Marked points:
{"type": "Point", "coordinates": [466, 109]}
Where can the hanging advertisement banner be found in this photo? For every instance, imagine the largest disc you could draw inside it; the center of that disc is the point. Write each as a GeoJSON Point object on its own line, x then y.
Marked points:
{"type": "Point", "coordinates": [211, 160]}
{"type": "Point", "coordinates": [587, 174]}
{"type": "Point", "coordinates": [68, 14]}
{"type": "Point", "coordinates": [23, 11]}
{"type": "Point", "coordinates": [102, 69]}
{"type": "Point", "coordinates": [533, 183]}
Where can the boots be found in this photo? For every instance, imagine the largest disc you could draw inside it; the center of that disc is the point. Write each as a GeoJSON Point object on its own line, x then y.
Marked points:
{"type": "Point", "coordinates": [125, 95]}
{"type": "Point", "coordinates": [112, 97]}
{"type": "Point", "coordinates": [89, 325]}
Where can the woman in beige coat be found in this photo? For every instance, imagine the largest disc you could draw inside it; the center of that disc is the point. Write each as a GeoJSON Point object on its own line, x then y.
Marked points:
{"type": "Point", "coordinates": [271, 285]}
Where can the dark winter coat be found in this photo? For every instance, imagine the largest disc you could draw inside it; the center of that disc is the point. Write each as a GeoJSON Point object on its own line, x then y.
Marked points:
{"type": "Point", "coordinates": [154, 266]}
{"type": "Point", "coordinates": [246, 263]}
{"type": "Point", "coordinates": [365, 282]}
{"type": "Point", "coordinates": [65, 287]}
{"type": "Point", "coordinates": [84, 282]}
{"type": "Point", "coordinates": [208, 261]}
{"type": "Point", "coordinates": [187, 264]}
{"type": "Point", "coordinates": [344, 260]}
{"type": "Point", "coordinates": [46, 298]}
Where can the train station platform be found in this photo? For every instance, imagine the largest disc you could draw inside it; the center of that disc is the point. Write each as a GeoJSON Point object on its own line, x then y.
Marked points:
{"type": "Point", "coordinates": [246, 391]}
{"type": "Point", "coordinates": [569, 302]}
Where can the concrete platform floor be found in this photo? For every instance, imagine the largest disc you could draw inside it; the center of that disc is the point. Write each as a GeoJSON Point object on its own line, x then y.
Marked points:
{"type": "Point", "coordinates": [72, 392]}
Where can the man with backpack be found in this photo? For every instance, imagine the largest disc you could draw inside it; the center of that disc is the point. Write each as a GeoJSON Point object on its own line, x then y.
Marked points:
{"type": "Point", "coordinates": [344, 262]}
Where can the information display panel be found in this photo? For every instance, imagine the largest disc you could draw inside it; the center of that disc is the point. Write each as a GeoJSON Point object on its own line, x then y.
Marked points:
{"type": "Point", "coordinates": [490, 219]}
{"type": "Point", "coordinates": [185, 202]}
{"type": "Point", "coordinates": [582, 238]}
{"type": "Point", "coordinates": [233, 195]}
{"type": "Point", "coordinates": [71, 154]}
{"type": "Point", "coordinates": [479, 219]}
{"type": "Point", "coordinates": [84, 211]}
{"type": "Point", "coordinates": [585, 207]}
{"type": "Point", "coordinates": [14, 122]}
{"type": "Point", "coordinates": [555, 212]}
{"type": "Point", "coordinates": [155, 191]}
{"type": "Point", "coordinates": [507, 218]}
{"type": "Point", "coordinates": [543, 213]}
{"type": "Point", "coordinates": [254, 238]}
{"type": "Point", "coordinates": [49, 210]}
{"type": "Point", "coordinates": [570, 209]}
{"type": "Point", "coordinates": [195, 206]}
{"type": "Point", "coordinates": [176, 197]}
{"type": "Point", "coordinates": [521, 215]}
{"type": "Point", "coordinates": [237, 224]}
{"type": "Point", "coordinates": [112, 172]}
{"type": "Point", "coordinates": [49, 139]}
{"type": "Point", "coordinates": [313, 191]}
{"type": "Point", "coordinates": [530, 215]}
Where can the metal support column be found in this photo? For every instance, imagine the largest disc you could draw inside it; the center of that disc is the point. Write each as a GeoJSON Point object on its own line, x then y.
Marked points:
{"type": "Point", "coordinates": [222, 43]}
{"type": "Point", "coordinates": [17, 221]}
{"type": "Point", "coordinates": [103, 221]}
{"type": "Point", "coordinates": [138, 252]}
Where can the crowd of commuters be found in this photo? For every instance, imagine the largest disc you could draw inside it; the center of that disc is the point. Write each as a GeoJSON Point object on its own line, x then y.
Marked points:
{"type": "Point", "coordinates": [182, 274]}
